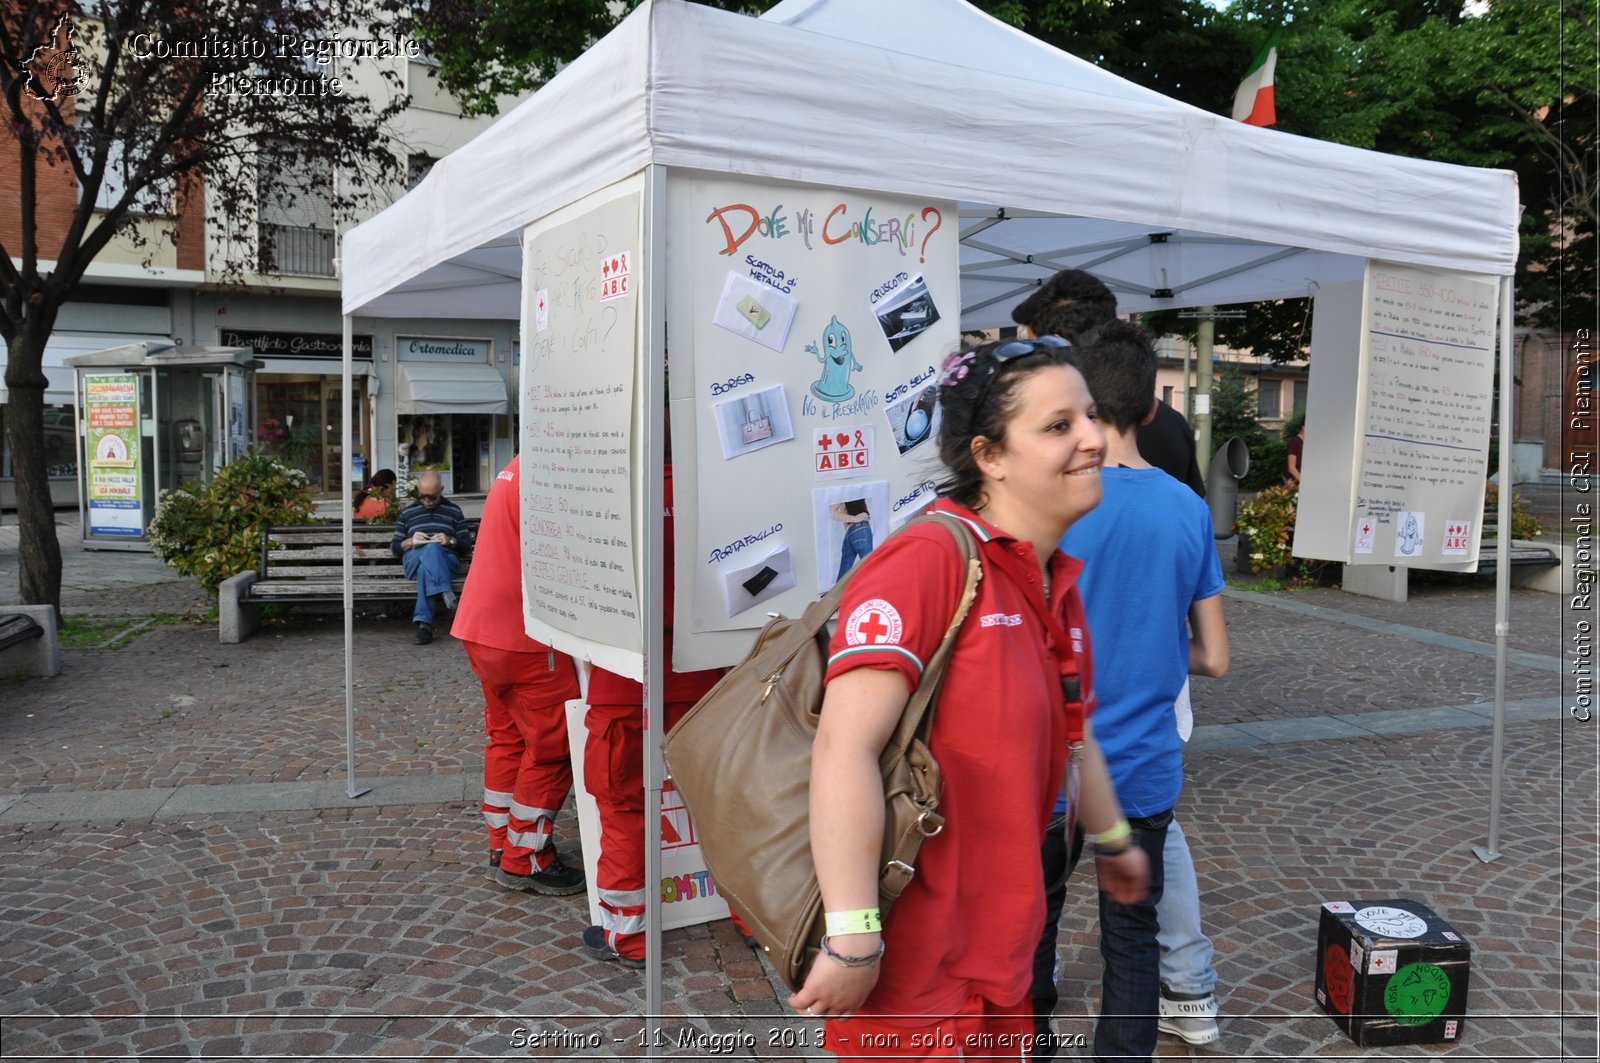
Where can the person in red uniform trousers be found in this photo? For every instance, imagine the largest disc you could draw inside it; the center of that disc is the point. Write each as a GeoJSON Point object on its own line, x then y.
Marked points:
{"type": "Point", "coordinates": [946, 974]}
{"type": "Point", "coordinates": [527, 773]}
{"type": "Point", "coordinates": [613, 773]}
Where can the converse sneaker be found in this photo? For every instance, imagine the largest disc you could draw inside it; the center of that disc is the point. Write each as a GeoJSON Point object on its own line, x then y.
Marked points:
{"type": "Point", "coordinates": [557, 880]}
{"type": "Point", "coordinates": [594, 943]}
{"type": "Point", "coordinates": [1194, 1020]}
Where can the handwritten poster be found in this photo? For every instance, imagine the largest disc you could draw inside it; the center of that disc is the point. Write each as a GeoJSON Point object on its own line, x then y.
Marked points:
{"type": "Point", "coordinates": [580, 526]}
{"type": "Point", "coordinates": [1430, 387]}
{"type": "Point", "coordinates": [862, 303]}
{"type": "Point", "coordinates": [1397, 437]}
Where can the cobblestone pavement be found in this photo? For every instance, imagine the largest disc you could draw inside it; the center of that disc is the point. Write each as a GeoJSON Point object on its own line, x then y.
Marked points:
{"type": "Point", "coordinates": [183, 875]}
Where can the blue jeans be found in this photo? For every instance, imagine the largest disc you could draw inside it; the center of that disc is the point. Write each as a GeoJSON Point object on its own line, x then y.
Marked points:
{"type": "Point", "coordinates": [1130, 988]}
{"type": "Point", "coordinates": [1186, 952]}
{"type": "Point", "coordinates": [434, 567]}
{"type": "Point", "coordinates": [857, 544]}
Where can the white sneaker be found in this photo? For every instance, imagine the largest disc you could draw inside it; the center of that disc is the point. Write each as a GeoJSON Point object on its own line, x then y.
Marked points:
{"type": "Point", "coordinates": [1193, 1020]}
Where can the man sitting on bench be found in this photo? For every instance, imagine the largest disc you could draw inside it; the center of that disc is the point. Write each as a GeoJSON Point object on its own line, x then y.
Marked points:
{"type": "Point", "coordinates": [430, 538]}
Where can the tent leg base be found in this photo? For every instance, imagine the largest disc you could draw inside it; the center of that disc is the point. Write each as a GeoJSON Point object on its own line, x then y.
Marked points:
{"type": "Point", "coordinates": [1488, 856]}
{"type": "Point", "coordinates": [352, 793]}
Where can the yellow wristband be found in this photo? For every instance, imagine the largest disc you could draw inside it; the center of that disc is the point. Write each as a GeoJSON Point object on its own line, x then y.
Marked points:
{"type": "Point", "coordinates": [863, 921]}
{"type": "Point", "coordinates": [1119, 831]}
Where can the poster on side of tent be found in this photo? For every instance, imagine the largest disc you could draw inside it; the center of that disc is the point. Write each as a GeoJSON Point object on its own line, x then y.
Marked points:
{"type": "Point", "coordinates": [581, 527]}
{"type": "Point", "coordinates": [1406, 486]}
{"type": "Point", "coordinates": [801, 389]}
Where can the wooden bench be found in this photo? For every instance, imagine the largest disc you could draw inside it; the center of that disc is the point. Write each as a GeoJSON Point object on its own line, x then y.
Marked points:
{"type": "Point", "coordinates": [304, 564]}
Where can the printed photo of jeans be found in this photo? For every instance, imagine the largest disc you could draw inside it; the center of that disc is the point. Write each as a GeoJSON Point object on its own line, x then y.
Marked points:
{"type": "Point", "coordinates": [857, 544]}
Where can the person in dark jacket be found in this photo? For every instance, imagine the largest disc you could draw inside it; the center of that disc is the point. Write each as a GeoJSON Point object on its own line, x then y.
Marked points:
{"type": "Point", "coordinates": [430, 538]}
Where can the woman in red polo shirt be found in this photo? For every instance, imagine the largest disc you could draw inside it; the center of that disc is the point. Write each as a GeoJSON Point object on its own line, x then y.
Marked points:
{"type": "Point", "coordinates": [946, 974]}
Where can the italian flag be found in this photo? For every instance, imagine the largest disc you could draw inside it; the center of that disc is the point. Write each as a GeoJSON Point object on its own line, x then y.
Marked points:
{"type": "Point", "coordinates": [1253, 103]}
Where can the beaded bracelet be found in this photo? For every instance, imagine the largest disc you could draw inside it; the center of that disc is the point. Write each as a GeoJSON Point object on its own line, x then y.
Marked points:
{"type": "Point", "coordinates": [851, 961]}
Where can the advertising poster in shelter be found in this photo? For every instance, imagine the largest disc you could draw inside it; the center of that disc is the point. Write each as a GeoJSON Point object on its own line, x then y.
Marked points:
{"type": "Point", "coordinates": [1423, 390]}
{"type": "Point", "coordinates": [805, 326]}
{"type": "Point", "coordinates": [580, 526]}
{"type": "Point", "coordinates": [111, 442]}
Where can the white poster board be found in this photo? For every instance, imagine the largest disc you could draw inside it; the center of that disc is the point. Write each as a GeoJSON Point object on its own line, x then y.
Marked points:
{"type": "Point", "coordinates": [1422, 394]}
{"type": "Point", "coordinates": [581, 532]}
{"type": "Point", "coordinates": [806, 328]}
{"type": "Point", "coordinates": [688, 892]}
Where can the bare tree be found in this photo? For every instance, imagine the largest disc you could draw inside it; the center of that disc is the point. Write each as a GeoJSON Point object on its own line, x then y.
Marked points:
{"type": "Point", "coordinates": [133, 119]}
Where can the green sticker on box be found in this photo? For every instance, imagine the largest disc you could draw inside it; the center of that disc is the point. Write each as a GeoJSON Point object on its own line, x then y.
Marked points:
{"type": "Point", "coordinates": [1417, 994]}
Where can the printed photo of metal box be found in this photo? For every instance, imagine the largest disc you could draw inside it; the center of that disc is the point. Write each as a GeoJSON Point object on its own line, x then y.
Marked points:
{"type": "Point", "coordinates": [1392, 973]}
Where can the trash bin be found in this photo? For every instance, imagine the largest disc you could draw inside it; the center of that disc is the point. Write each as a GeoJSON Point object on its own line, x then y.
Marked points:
{"type": "Point", "coordinates": [1230, 465]}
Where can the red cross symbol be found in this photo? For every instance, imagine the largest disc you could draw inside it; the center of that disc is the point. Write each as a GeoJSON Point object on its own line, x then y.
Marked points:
{"type": "Point", "coordinates": [825, 442]}
{"type": "Point", "coordinates": [873, 628]}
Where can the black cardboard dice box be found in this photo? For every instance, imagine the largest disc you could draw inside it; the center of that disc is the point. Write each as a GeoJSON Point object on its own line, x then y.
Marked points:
{"type": "Point", "coordinates": [1392, 972]}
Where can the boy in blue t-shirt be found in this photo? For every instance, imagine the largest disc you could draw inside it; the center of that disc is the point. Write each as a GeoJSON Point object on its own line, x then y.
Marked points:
{"type": "Point", "coordinates": [1152, 587]}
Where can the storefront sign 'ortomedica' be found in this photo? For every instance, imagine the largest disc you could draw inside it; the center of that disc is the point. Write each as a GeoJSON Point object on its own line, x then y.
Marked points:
{"type": "Point", "coordinates": [440, 349]}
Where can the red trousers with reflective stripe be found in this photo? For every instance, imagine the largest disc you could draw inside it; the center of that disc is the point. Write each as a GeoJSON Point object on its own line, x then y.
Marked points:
{"type": "Point", "coordinates": [613, 773]}
{"type": "Point", "coordinates": [527, 770]}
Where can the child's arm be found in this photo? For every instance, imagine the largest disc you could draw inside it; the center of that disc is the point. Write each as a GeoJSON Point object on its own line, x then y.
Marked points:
{"type": "Point", "coordinates": [1208, 638]}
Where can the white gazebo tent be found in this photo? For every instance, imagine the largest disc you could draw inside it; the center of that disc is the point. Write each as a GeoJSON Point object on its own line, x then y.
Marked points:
{"type": "Point", "coordinates": [1054, 162]}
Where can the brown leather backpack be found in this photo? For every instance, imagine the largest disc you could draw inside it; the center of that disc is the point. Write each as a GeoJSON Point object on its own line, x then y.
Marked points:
{"type": "Point", "coordinates": [741, 759]}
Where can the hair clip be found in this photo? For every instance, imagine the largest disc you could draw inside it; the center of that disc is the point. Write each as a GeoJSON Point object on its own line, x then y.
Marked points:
{"type": "Point", "coordinates": [956, 368]}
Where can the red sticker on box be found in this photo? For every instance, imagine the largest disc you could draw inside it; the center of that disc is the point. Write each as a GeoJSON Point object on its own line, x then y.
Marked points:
{"type": "Point", "coordinates": [1337, 976]}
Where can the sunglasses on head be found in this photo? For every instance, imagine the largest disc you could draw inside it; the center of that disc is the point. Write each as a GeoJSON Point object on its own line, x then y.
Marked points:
{"type": "Point", "coordinates": [1010, 351]}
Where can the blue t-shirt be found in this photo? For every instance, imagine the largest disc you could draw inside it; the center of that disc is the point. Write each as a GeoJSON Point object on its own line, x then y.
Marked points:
{"type": "Point", "coordinates": [1148, 554]}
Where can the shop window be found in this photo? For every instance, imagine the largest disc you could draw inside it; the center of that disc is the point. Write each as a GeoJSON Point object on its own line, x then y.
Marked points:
{"type": "Point", "coordinates": [457, 446]}
{"type": "Point", "coordinates": [298, 422]}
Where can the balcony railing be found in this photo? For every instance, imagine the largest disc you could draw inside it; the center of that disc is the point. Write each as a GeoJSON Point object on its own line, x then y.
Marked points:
{"type": "Point", "coordinates": [296, 249]}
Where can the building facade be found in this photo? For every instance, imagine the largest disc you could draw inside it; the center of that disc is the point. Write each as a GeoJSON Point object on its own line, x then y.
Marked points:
{"type": "Point", "coordinates": [427, 394]}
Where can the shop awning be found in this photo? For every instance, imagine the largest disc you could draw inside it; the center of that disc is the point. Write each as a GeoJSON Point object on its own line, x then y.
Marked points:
{"type": "Point", "coordinates": [445, 387]}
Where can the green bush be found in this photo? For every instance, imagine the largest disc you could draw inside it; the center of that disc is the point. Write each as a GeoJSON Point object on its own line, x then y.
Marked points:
{"type": "Point", "coordinates": [213, 531]}
{"type": "Point", "coordinates": [1267, 523]}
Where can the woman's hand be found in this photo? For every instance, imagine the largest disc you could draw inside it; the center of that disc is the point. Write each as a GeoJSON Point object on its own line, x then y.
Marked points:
{"type": "Point", "coordinates": [832, 990]}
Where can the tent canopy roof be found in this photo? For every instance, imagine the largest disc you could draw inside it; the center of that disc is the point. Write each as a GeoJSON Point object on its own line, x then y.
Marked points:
{"type": "Point", "coordinates": [1054, 163]}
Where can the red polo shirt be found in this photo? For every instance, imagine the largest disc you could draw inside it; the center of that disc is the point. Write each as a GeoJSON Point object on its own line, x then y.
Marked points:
{"type": "Point", "coordinates": [970, 920]}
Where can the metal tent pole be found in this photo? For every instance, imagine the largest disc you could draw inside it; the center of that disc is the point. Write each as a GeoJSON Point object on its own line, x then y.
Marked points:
{"type": "Point", "coordinates": [1502, 582]}
{"type": "Point", "coordinates": [347, 524]}
{"type": "Point", "coordinates": [653, 403]}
